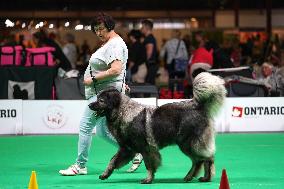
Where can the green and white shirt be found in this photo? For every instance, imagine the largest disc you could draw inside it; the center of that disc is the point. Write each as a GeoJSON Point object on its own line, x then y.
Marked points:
{"type": "Point", "coordinates": [114, 49]}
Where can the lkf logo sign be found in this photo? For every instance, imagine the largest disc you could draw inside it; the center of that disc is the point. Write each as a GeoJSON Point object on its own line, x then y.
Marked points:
{"type": "Point", "coordinates": [55, 117]}
{"type": "Point", "coordinates": [238, 111]}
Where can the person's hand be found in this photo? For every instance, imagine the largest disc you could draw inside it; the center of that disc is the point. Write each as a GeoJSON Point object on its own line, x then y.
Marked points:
{"type": "Point", "coordinates": [126, 87]}
{"type": "Point", "coordinates": [88, 81]}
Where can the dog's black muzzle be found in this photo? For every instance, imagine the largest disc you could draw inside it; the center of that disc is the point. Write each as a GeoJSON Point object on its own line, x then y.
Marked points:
{"type": "Point", "coordinates": [98, 111]}
{"type": "Point", "coordinates": [93, 106]}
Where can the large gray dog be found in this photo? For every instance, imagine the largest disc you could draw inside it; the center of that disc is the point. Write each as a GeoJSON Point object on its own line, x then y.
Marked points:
{"type": "Point", "coordinates": [142, 129]}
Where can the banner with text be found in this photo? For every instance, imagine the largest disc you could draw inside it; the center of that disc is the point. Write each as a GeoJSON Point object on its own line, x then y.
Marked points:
{"type": "Point", "coordinates": [63, 116]}
{"type": "Point", "coordinates": [11, 117]}
{"type": "Point", "coordinates": [254, 114]}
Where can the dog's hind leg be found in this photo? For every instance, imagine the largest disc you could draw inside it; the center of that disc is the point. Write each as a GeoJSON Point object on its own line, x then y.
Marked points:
{"type": "Point", "coordinates": [121, 158]}
{"type": "Point", "coordinates": [152, 160]}
{"type": "Point", "coordinates": [209, 170]}
{"type": "Point", "coordinates": [196, 163]}
{"type": "Point", "coordinates": [193, 172]}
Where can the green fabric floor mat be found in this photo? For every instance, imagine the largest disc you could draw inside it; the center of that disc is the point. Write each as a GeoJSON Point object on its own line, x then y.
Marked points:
{"type": "Point", "coordinates": [251, 161]}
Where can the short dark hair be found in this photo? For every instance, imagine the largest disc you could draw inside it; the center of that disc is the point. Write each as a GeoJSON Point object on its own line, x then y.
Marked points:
{"type": "Point", "coordinates": [135, 33]}
{"type": "Point", "coordinates": [41, 35]}
{"type": "Point", "coordinates": [104, 18]}
{"type": "Point", "coordinates": [148, 23]}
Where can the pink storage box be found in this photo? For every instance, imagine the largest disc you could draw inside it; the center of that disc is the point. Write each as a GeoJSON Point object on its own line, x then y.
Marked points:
{"type": "Point", "coordinates": [11, 55]}
{"type": "Point", "coordinates": [40, 56]}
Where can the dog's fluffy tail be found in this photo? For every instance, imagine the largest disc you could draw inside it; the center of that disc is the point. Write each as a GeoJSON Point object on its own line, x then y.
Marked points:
{"type": "Point", "coordinates": [209, 91]}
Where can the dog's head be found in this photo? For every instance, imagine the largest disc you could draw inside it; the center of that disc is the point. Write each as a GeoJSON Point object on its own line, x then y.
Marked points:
{"type": "Point", "coordinates": [107, 101]}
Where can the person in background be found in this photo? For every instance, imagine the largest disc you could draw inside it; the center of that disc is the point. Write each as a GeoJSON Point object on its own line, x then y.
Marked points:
{"type": "Point", "coordinates": [174, 48]}
{"type": "Point", "coordinates": [200, 38]}
{"type": "Point", "coordinates": [21, 41]}
{"type": "Point", "coordinates": [70, 49]}
{"type": "Point", "coordinates": [188, 43]}
{"type": "Point", "coordinates": [85, 51]}
{"type": "Point", "coordinates": [151, 50]}
{"type": "Point", "coordinates": [137, 57]}
{"type": "Point", "coordinates": [41, 39]}
{"type": "Point", "coordinates": [201, 60]}
{"type": "Point", "coordinates": [106, 68]}
{"type": "Point", "coordinates": [268, 78]}
{"type": "Point", "coordinates": [273, 51]}
{"type": "Point", "coordinates": [84, 56]}
{"type": "Point", "coordinates": [55, 37]}
{"type": "Point", "coordinates": [220, 58]}
{"type": "Point", "coordinates": [280, 81]}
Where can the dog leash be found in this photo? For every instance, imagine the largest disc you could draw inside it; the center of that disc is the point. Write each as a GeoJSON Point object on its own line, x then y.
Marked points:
{"type": "Point", "coordinates": [94, 80]}
{"type": "Point", "coordinates": [123, 79]}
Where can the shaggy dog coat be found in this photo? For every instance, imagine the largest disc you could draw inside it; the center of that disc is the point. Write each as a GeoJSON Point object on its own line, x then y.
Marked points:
{"type": "Point", "coordinates": [143, 129]}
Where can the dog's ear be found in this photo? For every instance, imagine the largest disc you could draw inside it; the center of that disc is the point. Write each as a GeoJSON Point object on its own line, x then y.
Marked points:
{"type": "Point", "coordinates": [114, 98]}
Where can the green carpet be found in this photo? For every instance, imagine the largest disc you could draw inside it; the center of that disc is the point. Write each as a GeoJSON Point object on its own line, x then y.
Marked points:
{"type": "Point", "coordinates": [251, 161]}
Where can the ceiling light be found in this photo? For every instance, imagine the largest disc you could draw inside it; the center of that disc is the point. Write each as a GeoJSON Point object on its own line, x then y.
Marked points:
{"type": "Point", "coordinates": [79, 27]}
{"type": "Point", "coordinates": [9, 23]}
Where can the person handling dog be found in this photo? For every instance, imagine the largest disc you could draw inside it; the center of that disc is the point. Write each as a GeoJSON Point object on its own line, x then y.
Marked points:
{"type": "Point", "coordinates": [106, 69]}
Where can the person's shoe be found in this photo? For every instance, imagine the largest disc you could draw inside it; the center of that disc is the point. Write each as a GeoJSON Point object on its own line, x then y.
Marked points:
{"type": "Point", "coordinates": [135, 163]}
{"type": "Point", "coordinates": [74, 170]}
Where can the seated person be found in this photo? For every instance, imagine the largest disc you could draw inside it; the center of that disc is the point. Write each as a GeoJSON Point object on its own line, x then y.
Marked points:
{"type": "Point", "coordinates": [272, 78]}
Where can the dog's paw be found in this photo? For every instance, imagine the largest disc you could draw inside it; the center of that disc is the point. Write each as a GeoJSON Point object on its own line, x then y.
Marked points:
{"type": "Point", "coordinates": [103, 177]}
{"type": "Point", "coordinates": [204, 179]}
{"type": "Point", "coordinates": [146, 181]}
{"type": "Point", "coordinates": [187, 179]}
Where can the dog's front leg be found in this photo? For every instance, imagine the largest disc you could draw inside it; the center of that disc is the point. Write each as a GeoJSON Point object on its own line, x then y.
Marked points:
{"type": "Point", "coordinates": [152, 161]}
{"type": "Point", "coordinates": [109, 169]}
{"type": "Point", "coordinates": [121, 158]}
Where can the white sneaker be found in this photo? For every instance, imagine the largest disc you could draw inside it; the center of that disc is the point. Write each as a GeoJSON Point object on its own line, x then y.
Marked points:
{"type": "Point", "coordinates": [74, 170]}
{"type": "Point", "coordinates": [135, 163]}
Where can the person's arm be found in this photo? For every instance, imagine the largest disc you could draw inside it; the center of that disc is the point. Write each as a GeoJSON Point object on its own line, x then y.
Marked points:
{"type": "Point", "coordinates": [114, 70]}
{"type": "Point", "coordinates": [149, 50]}
{"type": "Point", "coordinates": [64, 63]}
